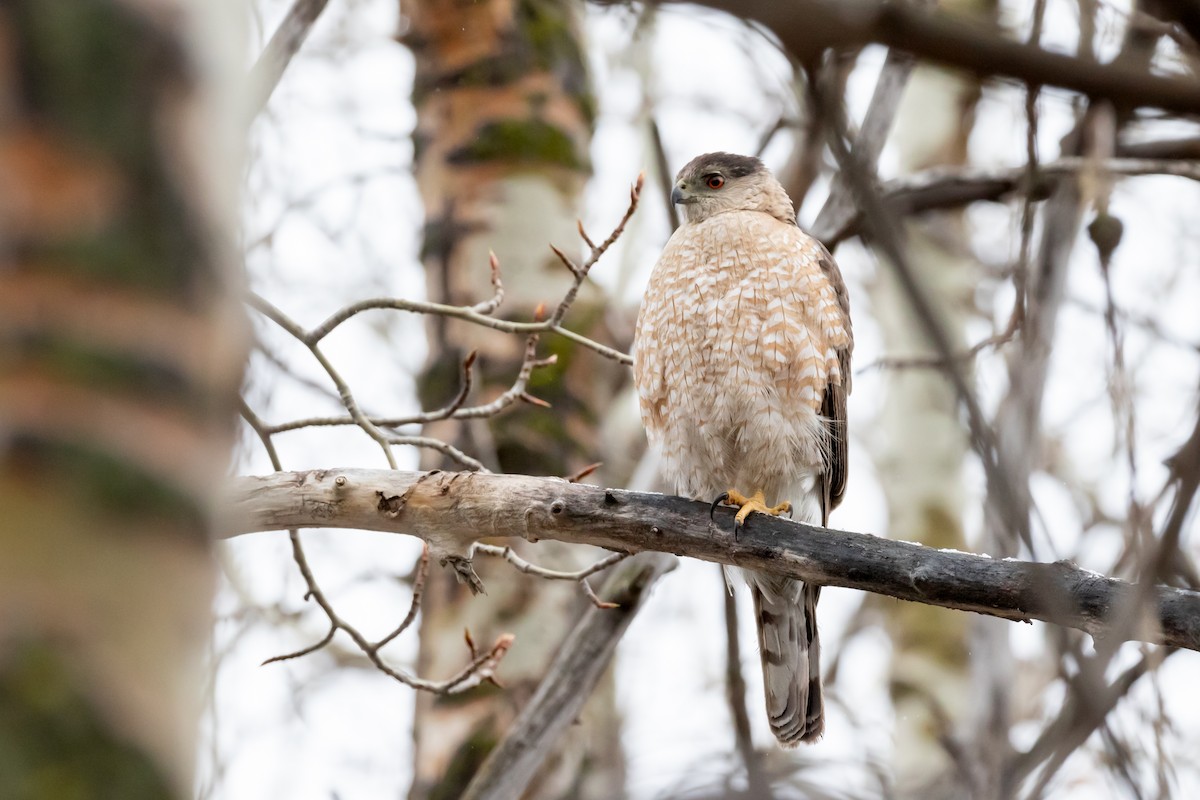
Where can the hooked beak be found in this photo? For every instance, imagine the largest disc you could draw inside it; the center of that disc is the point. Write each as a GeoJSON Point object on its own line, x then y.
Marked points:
{"type": "Point", "coordinates": [678, 197]}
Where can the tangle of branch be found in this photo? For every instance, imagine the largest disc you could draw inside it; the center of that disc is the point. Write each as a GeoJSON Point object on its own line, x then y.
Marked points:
{"type": "Point", "coordinates": [385, 431]}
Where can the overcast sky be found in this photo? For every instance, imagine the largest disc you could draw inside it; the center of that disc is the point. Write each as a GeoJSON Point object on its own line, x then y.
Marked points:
{"type": "Point", "coordinates": [333, 215]}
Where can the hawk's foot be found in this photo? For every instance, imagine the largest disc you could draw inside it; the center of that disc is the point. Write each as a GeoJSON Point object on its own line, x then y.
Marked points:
{"type": "Point", "coordinates": [747, 506]}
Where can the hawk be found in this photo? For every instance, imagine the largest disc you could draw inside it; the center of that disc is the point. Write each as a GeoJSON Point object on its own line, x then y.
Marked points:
{"type": "Point", "coordinates": [742, 365]}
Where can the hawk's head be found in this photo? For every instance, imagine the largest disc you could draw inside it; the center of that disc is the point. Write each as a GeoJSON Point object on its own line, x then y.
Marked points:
{"type": "Point", "coordinates": [716, 182]}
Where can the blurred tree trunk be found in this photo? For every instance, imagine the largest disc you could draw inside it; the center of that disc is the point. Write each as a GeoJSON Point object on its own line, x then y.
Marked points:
{"type": "Point", "coordinates": [919, 456]}
{"type": "Point", "coordinates": [120, 359]}
{"type": "Point", "coordinates": [505, 117]}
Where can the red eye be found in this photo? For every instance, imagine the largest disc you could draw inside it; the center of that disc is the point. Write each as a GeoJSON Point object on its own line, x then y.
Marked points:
{"type": "Point", "coordinates": [714, 181]}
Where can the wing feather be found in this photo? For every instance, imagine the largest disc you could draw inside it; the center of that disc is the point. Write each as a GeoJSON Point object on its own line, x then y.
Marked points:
{"type": "Point", "coordinates": [833, 406]}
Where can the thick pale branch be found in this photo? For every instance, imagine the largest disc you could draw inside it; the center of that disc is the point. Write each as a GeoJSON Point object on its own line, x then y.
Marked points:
{"type": "Point", "coordinates": [869, 142]}
{"type": "Point", "coordinates": [284, 44]}
{"type": "Point", "coordinates": [452, 510]}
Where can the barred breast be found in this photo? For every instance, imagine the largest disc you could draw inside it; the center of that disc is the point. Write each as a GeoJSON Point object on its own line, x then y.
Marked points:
{"type": "Point", "coordinates": [736, 340]}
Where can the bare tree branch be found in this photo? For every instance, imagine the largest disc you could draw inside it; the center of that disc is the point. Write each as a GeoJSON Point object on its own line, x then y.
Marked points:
{"type": "Point", "coordinates": [886, 238]}
{"type": "Point", "coordinates": [452, 410]}
{"type": "Point", "coordinates": [579, 576]}
{"type": "Point", "coordinates": [949, 188]}
{"type": "Point", "coordinates": [1186, 148]}
{"type": "Point", "coordinates": [570, 680]}
{"type": "Point", "coordinates": [482, 666]}
{"type": "Point", "coordinates": [868, 144]}
{"type": "Point", "coordinates": [808, 27]}
{"type": "Point", "coordinates": [1185, 12]}
{"type": "Point", "coordinates": [452, 510]}
{"type": "Point", "coordinates": [477, 314]}
{"type": "Point", "coordinates": [1084, 710]}
{"type": "Point", "coordinates": [276, 56]}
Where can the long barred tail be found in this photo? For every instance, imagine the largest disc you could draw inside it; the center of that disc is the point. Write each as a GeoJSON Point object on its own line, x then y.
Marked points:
{"type": "Point", "coordinates": [786, 611]}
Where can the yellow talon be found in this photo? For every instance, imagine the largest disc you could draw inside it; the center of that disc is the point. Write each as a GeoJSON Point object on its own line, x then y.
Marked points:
{"type": "Point", "coordinates": [751, 504]}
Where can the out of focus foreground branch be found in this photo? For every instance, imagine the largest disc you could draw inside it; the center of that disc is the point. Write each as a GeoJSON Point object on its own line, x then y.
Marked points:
{"type": "Point", "coordinates": [450, 511]}
{"type": "Point", "coordinates": [807, 27]}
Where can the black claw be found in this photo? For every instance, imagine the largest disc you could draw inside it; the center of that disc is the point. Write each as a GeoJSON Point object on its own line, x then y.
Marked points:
{"type": "Point", "coordinates": [737, 528]}
{"type": "Point", "coordinates": [790, 510]}
{"type": "Point", "coordinates": [713, 508]}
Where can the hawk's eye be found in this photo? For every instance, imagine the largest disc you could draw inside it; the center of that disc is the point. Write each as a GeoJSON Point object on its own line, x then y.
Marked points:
{"type": "Point", "coordinates": [714, 181]}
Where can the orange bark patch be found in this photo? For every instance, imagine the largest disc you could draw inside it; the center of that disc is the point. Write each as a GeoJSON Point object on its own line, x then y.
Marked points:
{"type": "Point", "coordinates": [146, 434]}
{"type": "Point", "coordinates": [117, 320]}
{"type": "Point", "coordinates": [49, 188]}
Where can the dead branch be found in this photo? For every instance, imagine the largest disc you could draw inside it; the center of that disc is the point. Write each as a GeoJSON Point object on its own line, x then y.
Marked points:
{"type": "Point", "coordinates": [580, 576]}
{"type": "Point", "coordinates": [569, 682]}
{"type": "Point", "coordinates": [942, 188]}
{"type": "Point", "coordinates": [284, 44]}
{"type": "Point", "coordinates": [869, 142]}
{"type": "Point", "coordinates": [450, 511]}
{"type": "Point", "coordinates": [886, 239]}
{"type": "Point", "coordinates": [452, 410]}
{"type": "Point", "coordinates": [808, 27]}
{"type": "Point", "coordinates": [480, 314]}
{"type": "Point", "coordinates": [382, 429]}
{"type": "Point", "coordinates": [1187, 147]}
{"type": "Point", "coordinates": [481, 667]}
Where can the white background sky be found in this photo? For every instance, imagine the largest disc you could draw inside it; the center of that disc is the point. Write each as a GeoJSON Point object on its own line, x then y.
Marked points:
{"type": "Point", "coordinates": [333, 215]}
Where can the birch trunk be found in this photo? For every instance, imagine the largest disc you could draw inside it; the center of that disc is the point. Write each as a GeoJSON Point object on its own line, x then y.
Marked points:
{"type": "Point", "coordinates": [120, 360]}
{"type": "Point", "coordinates": [919, 456]}
{"type": "Point", "coordinates": [505, 117]}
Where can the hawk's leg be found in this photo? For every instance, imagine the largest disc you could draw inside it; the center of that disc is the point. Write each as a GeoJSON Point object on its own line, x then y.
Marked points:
{"type": "Point", "coordinates": [748, 505]}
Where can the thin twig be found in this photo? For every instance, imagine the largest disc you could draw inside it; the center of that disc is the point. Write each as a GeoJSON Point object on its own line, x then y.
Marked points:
{"type": "Point", "coordinates": [581, 271]}
{"type": "Point", "coordinates": [347, 397]}
{"type": "Point", "coordinates": [465, 313]}
{"type": "Point", "coordinates": [480, 668]}
{"type": "Point", "coordinates": [513, 394]}
{"type": "Point", "coordinates": [490, 305]}
{"type": "Point", "coordinates": [312, 648]}
{"type": "Point", "coordinates": [581, 575]}
{"type": "Point", "coordinates": [418, 591]}
{"type": "Point", "coordinates": [445, 448]}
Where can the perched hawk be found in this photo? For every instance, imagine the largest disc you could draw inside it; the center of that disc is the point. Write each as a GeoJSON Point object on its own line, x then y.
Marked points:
{"type": "Point", "coordinates": [742, 363]}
